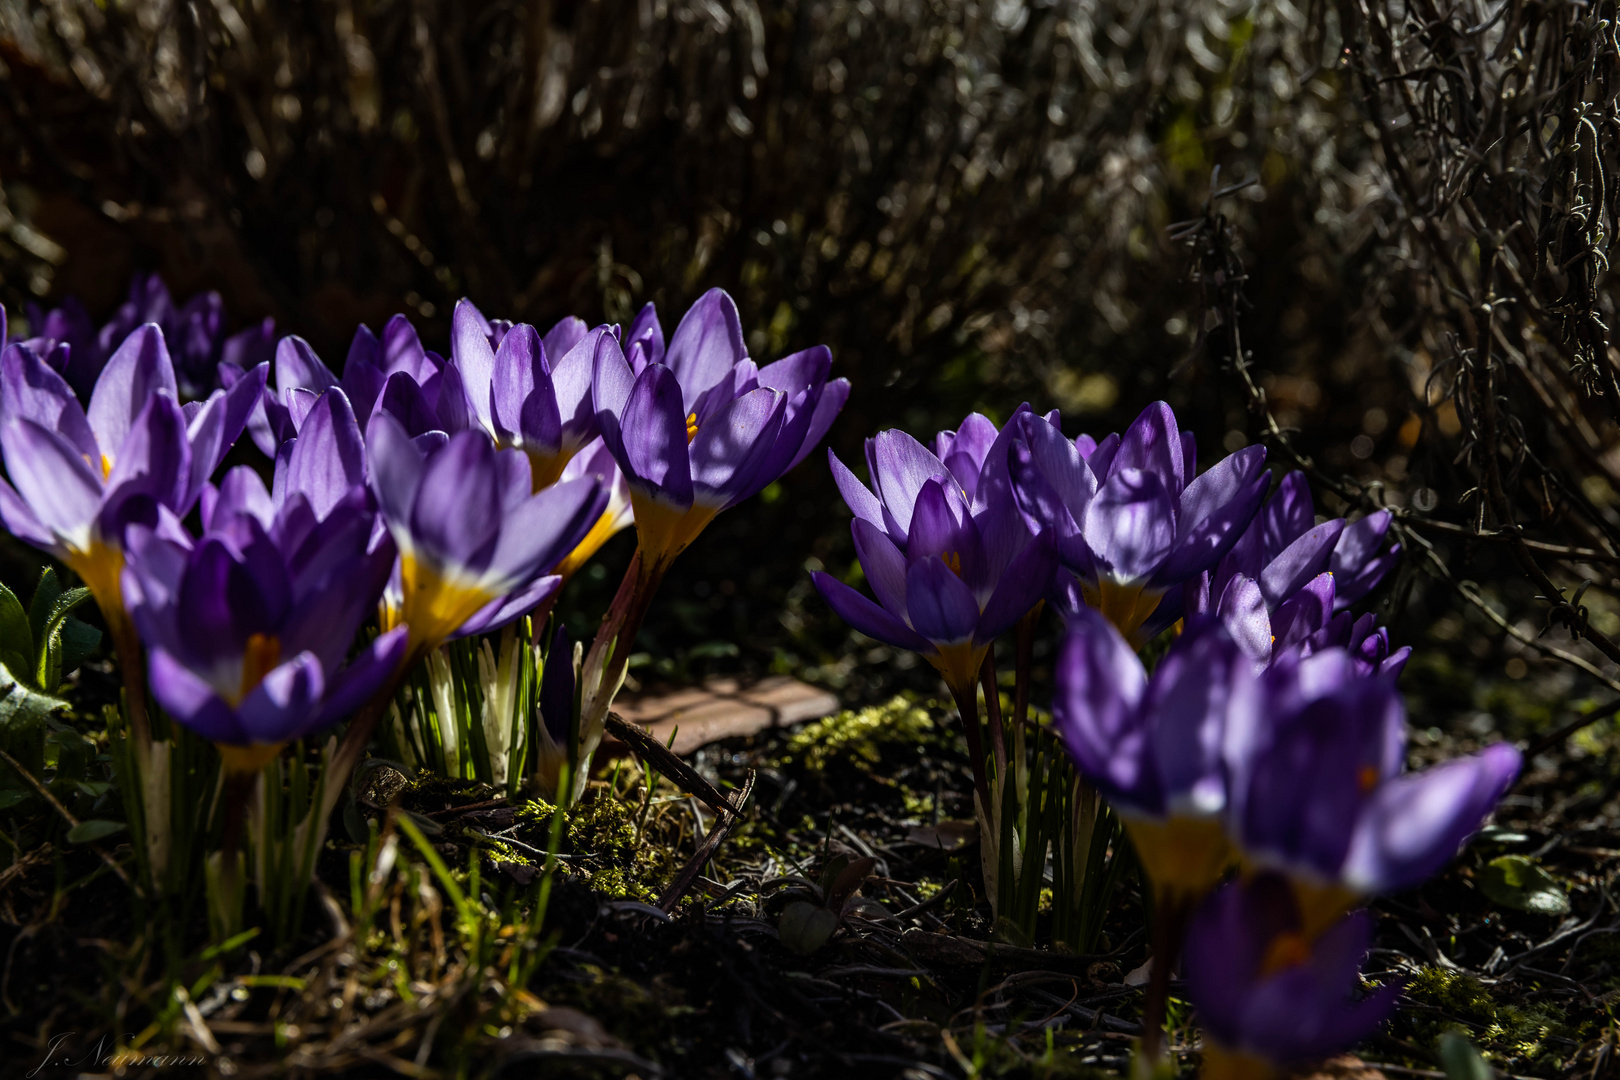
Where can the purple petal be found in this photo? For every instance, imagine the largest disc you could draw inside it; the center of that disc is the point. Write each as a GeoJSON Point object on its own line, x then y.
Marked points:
{"type": "Point", "coordinates": [1415, 823]}
{"type": "Point", "coordinates": [564, 335]}
{"type": "Point", "coordinates": [729, 451]}
{"type": "Point", "coordinates": [242, 492]}
{"type": "Point", "coordinates": [474, 358]}
{"type": "Point", "coordinates": [53, 479]}
{"type": "Point", "coordinates": [900, 466]}
{"type": "Point", "coordinates": [1021, 585]}
{"type": "Point", "coordinates": [1242, 610]}
{"type": "Point", "coordinates": [396, 469]}
{"type": "Point", "coordinates": [217, 426]}
{"type": "Point", "coordinates": [138, 370]}
{"type": "Point", "coordinates": [192, 701]}
{"type": "Point", "coordinates": [283, 706]}
{"type": "Point", "coordinates": [941, 606]}
{"type": "Point", "coordinates": [403, 399]}
{"type": "Point", "coordinates": [329, 457]}
{"type": "Point", "coordinates": [860, 500]}
{"type": "Point", "coordinates": [1360, 559]}
{"type": "Point", "coordinates": [1152, 444]}
{"type": "Point", "coordinates": [457, 515]}
{"type": "Point", "coordinates": [1096, 706]}
{"type": "Point", "coordinates": [546, 527]}
{"type": "Point", "coordinates": [297, 365]}
{"type": "Point", "coordinates": [571, 375]}
{"type": "Point", "coordinates": [883, 565]}
{"type": "Point", "coordinates": [867, 617]}
{"type": "Point", "coordinates": [706, 345]}
{"type": "Point", "coordinates": [1130, 524]}
{"type": "Point", "coordinates": [611, 384]}
{"type": "Point", "coordinates": [365, 675]}
{"type": "Point", "coordinates": [1215, 510]}
{"type": "Point", "coordinates": [20, 521]}
{"type": "Point", "coordinates": [646, 338]}
{"type": "Point", "coordinates": [1189, 695]}
{"type": "Point", "coordinates": [655, 445]}
{"type": "Point", "coordinates": [831, 402]}
{"type": "Point", "coordinates": [402, 351]}
{"type": "Point", "coordinates": [155, 461]}
{"type": "Point", "coordinates": [1302, 560]}
{"type": "Point", "coordinates": [1304, 613]}
{"type": "Point", "coordinates": [30, 390]}
{"type": "Point", "coordinates": [508, 609]}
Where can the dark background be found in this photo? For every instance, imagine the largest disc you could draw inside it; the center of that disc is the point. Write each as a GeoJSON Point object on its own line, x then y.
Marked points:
{"type": "Point", "coordinates": [970, 203]}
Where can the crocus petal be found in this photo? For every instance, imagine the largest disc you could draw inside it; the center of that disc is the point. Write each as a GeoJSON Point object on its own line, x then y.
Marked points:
{"type": "Point", "coordinates": [1020, 587]}
{"type": "Point", "coordinates": [612, 381]}
{"type": "Point", "coordinates": [1095, 706]}
{"type": "Point", "coordinates": [1242, 610]}
{"type": "Point", "coordinates": [883, 565]}
{"type": "Point", "coordinates": [546, 527]}
{"type": "Point", "coordinates": [329, 456]}
{"type": "Point", "coordinates": [655, 446]}
{"type": "Point", "coordinates": [508, 609]}
{"type": "Point", "coordinates": [30, 390]}
{"type": "Point", "coordinates": [283, 706]}
{"type": "Point", "coordinates": [571, 375]}
{"type": "Point", "coordinates": [403, 399]}
{"type": "Point", "coordinates": [156, 459]}
{"type": "Point", "coordinates": [867, 617]}
{"type": "Point", "coordinates": [1215, 510]}
{"type": "Point", "coordinates": [474, 358]}
{"type": "Point", "coordinates": [192, 701]}
{"type": "Point", "coordinates": [1190, 692]}
{"type": "Point", "coordinates": [941, 606]}
{"type": "Point", "coordinates": [297, 365]}
{"type": "Point", "coordinates": [831, 402]}
{"type": "Point", "coordinates": [1302, 560]}
{"type": "Point", "coordinates": [1152, 444]}
{"type": "Point", "coordinates": [216, 427]}
{"type": "Point", "coordinates": [364, 676]}
{"type": "Point", "coordinates": [20, 521]}
{"type": "Point", "coordinates": [857, 496]}
{"type": "Point", "coordinates": [396, 469]}
{"type": "Point", "coordinates": [731, 452]}
{"type": "Point", "coordinates": [1302, 614]}
{"type": "Point", "coordinates": [1130, 524]}
{"type": "Point", "coordinates": [53, 479]}
{"type": "Point", "coordinates": [1415, 823]}
{"type": "Point", "coordinates": [706, 345]}
{"type": "Point", "coordinates": [1360, 559]}
{"type": "Point", "coordinates": [457, 514]}
{"type": "Point", "coordinates": [900, 466]}
{"type": "Point", "coordinates": [646, 337]}
{"type": "Point", "coordinates": [138, 370]}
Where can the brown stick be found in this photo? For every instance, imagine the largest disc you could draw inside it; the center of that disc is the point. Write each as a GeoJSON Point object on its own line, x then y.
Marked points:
{"type": "Point", "coordinates": [665, 761]}
{"type": "Point", "coordinates": [717, 835]}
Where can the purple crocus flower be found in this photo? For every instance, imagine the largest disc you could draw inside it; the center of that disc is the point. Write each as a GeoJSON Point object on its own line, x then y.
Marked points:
{"type": "Point", "coordinates": [697, 426]}
{"type": "Point", "coordinates": [1158, 748]}
{"type": "Point", "coordinates": [1268, 995]}
{"type": "Point", "coordinates": [476, 547]}
{"type": "Point", "coordinates": [1320, 792]}
{"type": "Point", "coordinates": [247, 629]}
{"type": "Point", "coordinates": [393, 372]}
{"type": "Point", "coordinates": [949, 560]}
{"type": "Point", "coordinates": [1306, 623]}
{"type": "Point", "coordinates": [1284, 548]}
{"type": "Point", "coordinates": [78, 476]}
{"type": "Point", "coordinates": [528, 392]}
{"type": "Point", "coordinates": [1131, 521]}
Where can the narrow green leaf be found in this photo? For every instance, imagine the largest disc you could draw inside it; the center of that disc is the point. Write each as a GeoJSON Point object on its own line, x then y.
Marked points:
{"type": "Point", "coordinates": [86, 832]}
{"type": "Point", "coordinates": [46, 592]}
{"type": "Point", "coordinates": [1461, 1061]}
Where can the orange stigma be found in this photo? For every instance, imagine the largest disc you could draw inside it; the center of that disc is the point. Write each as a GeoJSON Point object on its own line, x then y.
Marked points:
{"type": "Point", "coordinates": [953, 559]}
{"type": "Point", "coordinates": [1367, 778]}
{"type": "Point", "coordinates": [259, 658]}
{"type": "Point", "coordinates": [1286, 951]}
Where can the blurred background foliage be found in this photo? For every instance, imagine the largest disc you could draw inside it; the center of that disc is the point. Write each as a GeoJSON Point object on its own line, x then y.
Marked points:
{"type": "Point", "coordinates": [970, 202]}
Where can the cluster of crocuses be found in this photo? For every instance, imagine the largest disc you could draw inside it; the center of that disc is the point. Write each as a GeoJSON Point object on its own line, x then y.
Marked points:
{"type": "Point", "coordinates": [1259, 768]}
{"type": "Point", "coordinates": [412, 500]}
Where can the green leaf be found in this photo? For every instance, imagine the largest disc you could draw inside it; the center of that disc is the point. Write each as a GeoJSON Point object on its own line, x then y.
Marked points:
{"type": "Point", "coordinates": [11, 796]}
{"type": "Point", "coordinates": [86, 832]}
{"type": "Point", "coordinates": [45, 596]}
{"type": "Point", "coordinates": [1518, 883]}
{"type": "Point", "coordinates": [22, 721]}
{"type": "Point", "coordinates": [805, 927]}
{"type": "Point", "coordinates": [65, 641]}
{"type": "Point", "coordinates": [1461, 1061]}
{"type": "Point", "coordinates": [77, 640]}
{"type": "Point", "coordinates": [16, 636]}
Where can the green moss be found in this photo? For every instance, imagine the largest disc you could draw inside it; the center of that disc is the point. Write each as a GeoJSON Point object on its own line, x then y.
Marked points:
{"type": "Point", "coordinates": [600, 835]}
{"type": "Point", "coordinates": [859, 735]}
{"type": "Point", "coordinates": [1501, 1029]}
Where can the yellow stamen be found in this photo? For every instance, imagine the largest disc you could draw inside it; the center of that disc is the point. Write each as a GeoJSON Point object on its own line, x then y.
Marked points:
{"type": "Point", "coordinates": [106, 466]}
{"type": "Point", "coordinates": [259, 658]}
{"type": "Point", "coordinates": [691, 427]}
{"type": "Point", "coordinates": [953, 559]}
{"type": "Point", "coordinates": [1367, 778]}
